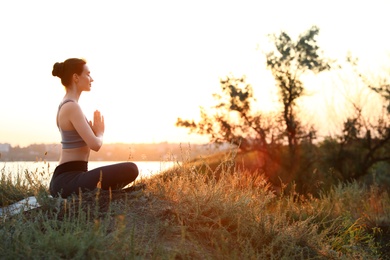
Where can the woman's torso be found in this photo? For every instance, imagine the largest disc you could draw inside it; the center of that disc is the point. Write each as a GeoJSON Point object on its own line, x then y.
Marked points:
{"type": "Point", "coordinates": [74, 154]}
{"type": "Point", "coordinates": [69, 154]}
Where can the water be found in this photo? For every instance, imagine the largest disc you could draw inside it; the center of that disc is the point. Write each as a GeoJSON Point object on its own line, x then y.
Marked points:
{"type": "Point", "coordinates": [43, 170]}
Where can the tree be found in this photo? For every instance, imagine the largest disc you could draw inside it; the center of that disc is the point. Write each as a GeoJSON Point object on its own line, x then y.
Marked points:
{"type": "Point", "coordinates": [364, 142]}
{"type": "Point", "coordinates": [233, 120]}
{"type": "Point", "coordinates": [288, 63]}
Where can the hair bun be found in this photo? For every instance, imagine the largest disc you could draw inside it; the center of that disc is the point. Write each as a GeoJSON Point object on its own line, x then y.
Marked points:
{"type": "Point", "coordinates": [58, 69]}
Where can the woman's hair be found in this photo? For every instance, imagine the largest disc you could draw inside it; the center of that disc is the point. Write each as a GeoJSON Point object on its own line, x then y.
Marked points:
{"type": "Point", "coordinates": [65, 70]}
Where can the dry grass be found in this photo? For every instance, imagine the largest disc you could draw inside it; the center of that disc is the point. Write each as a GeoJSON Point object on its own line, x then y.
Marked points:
{"type": "Point", "coordinates": [195, 212]}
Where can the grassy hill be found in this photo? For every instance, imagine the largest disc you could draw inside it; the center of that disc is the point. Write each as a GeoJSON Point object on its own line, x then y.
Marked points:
{"type": "Point", "coordinates": [203, 209]}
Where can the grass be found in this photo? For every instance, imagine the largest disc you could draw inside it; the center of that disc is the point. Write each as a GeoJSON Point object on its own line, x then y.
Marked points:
{"type": "Point", "coordinates": [195, 212]}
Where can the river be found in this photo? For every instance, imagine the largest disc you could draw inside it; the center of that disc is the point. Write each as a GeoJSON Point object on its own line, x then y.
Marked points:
{"type": "Point", "coordinates": [44, 169]}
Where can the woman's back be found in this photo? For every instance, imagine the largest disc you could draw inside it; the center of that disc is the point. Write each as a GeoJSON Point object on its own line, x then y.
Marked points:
{"type": "Point", "coordinates": [73, 146]}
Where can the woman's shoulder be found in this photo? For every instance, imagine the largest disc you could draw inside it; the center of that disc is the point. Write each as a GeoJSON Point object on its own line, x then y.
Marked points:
{"type": "Point", "coordinates": [69, 107]}
{"type": "Point", "coordinates": [65, 101]}
{"type": "Point", "coordinates": [69, 103]}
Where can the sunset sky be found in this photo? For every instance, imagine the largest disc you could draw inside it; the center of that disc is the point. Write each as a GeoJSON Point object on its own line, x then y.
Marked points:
{"type": "Point", "coordinates": [155, 61]}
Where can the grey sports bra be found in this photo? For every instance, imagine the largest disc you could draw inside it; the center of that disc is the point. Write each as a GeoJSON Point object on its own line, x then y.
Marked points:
{"type": "Point", "coordinates": [69, 138]}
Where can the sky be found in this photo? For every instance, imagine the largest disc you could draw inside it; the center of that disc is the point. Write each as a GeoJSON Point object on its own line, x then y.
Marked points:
{"type": "Point", "coordinates": [154, 61]}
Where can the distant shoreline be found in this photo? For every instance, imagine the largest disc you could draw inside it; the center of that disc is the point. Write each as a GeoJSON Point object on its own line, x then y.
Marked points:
{"type": "Point", "coordinates": [111, 152]}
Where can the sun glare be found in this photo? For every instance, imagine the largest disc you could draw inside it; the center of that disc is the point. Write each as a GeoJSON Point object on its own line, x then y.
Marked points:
{"type": "Point", "coordinates": [151, 66]}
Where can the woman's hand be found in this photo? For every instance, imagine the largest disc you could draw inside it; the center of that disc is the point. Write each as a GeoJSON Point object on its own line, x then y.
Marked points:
{"type": "Point", "coordinates": [98, 124]}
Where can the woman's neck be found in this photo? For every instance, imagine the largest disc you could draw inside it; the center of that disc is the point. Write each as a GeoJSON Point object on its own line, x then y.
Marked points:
{"type": "Point", "coordinates": [72, 93]}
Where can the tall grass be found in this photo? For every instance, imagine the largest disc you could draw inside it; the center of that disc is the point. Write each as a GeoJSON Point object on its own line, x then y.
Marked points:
{"type": "Point", "coordinates": [15, 186]}
{"type": "Point", "coordinates": [194, 212]}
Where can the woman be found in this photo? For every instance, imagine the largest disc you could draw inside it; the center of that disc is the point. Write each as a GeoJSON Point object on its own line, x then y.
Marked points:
{"type": "Point", "coordinates": [79, 136]}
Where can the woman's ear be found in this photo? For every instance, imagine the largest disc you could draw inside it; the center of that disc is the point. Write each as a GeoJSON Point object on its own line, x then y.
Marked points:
{"type": "Point", "coordinates": [75, 77]}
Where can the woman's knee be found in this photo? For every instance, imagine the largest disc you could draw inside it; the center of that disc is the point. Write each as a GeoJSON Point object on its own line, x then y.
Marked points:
{"type": "Point", "coordinates": [133, 169]}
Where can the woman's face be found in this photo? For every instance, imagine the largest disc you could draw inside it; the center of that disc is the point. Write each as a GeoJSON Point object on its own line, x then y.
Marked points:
{"type": "Point", "coordinates": [84, 80]}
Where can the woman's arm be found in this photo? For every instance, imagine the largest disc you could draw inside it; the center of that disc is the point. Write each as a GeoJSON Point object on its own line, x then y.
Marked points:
{"type": "Point", "coordinates": [90, 132]}
{"type": "Point", "coordinates": [97, 126]}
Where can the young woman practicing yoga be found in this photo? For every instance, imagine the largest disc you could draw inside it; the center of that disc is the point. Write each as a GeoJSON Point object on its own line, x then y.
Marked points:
{"type": "Point", "coordinates": [79, 136]}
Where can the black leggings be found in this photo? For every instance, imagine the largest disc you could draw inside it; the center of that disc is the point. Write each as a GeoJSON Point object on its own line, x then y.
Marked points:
{"type": "Point", "coordinates": [72, 177]}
